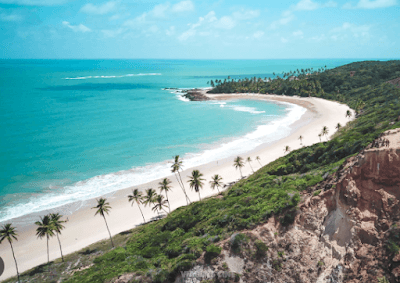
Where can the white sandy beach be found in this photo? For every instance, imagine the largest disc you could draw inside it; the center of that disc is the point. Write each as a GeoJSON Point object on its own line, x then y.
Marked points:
{"type": "Point", "coordinates": [84, 229]}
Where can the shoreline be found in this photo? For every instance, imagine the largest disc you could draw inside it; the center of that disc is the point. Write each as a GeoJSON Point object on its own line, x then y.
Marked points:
{"type": "Point", "coordinates": [84, 229]}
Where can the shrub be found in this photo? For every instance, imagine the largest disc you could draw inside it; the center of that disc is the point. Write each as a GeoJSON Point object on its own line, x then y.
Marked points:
{"type": "Point", "coordinates": [261, 248]}
{"type": "Point", "coordinates": [212, 251]}
{"type": "Point", "coordinates": [236, 241]}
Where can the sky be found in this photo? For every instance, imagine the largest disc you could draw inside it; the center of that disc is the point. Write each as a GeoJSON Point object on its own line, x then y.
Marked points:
{"type": "Point", "coordinates": [190, 29]}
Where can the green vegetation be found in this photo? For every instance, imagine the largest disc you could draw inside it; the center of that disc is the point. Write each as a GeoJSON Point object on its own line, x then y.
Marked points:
{"type": "Point", "coordinates": [216, 182]}
{"type": "Point", "coordinates": [103, 207]}
{"type": "Point", "coordinates": [212, 251]}
{"type": "Point", "coordinates": [9, 233]}
{"type": "Point", "coordinates": [164, 186]}
{"type": "Point", "coordinates": [317, 192]}
{"type": "Point", "coordinates": [175, 168]}
{"type": "Point", "coordinates": [45, 229]}
{"type": "Point", "coordinates": [137, 197]}
{"type": "Point", "coordinates": [261, 248]}
{"type": "Point", "coordinates": [238, 164]}
{"type": "Point", "coordinates": [57, 224]}
{"type": "Point", "coordinates": [159, 250]}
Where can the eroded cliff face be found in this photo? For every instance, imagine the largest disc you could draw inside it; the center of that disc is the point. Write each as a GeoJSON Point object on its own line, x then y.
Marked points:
{"type": "Point", "coordinates": [348, 233]}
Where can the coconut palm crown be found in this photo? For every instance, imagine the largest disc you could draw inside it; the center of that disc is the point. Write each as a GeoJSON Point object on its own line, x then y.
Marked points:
{"type": "Point", "coordinates": [55, 219]}
{"type": "Point", "coordinates": [137, 197]}
{"type": "Point", "coordinates": [216, 182]}
{"type": "Point", "coordinates": [238, 164]}
{"type": "Point", "coordinates": [165, 187]}
{"type": "Point", "coordinates": [103, 207]}
{"type": "Point", "coordinates": [160, 203]}
{"type": "Point", "coordinates": [176, 166]}
{"type": "Point", "coordinates": [195, 181]}
{"type": "Point", "coordinates": [45, 229]}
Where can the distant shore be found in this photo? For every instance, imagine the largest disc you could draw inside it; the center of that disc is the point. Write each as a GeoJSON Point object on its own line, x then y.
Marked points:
{"type": "Point", "coordinates": [83, 228]}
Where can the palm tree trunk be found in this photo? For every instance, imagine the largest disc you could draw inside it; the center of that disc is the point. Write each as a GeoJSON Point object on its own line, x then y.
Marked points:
{"type": "Point", "coordinates": [108, 231]}
{"type": "Point", "coordinates": [169, 207]}
{"type": "Point", "coordinates": [251, 167]}
{"type": "Point", "coordinates": [199, 195]}
{"type": "Point", "coordinates": [180, 184]}
{"type": "Point", "coordinates": [16, 265]}
{"type": "Point", "coordinates": [59, 243]}
{"type": "Point", "coordinates": [141, 213]}
{"type": "Point", "coordinates": [240, 170]}
{"type": "Point", "coordinates": [259, 162]}
{"type": "Point", "coordinates": [48, 256]}
{"type": "Point", "coordinates": [183, 187]}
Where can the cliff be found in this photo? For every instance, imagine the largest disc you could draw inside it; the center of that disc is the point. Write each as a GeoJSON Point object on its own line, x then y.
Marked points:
{"type": "Point", "coordinates": [349, 232]}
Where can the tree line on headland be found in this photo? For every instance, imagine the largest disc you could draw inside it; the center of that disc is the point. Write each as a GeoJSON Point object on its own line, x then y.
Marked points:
{"type": "Point", "coordinates": [160, 250]}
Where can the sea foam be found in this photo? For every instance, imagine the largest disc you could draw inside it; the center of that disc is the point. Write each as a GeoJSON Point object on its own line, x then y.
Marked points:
{"type": "Point", "coordinates": [109, 183]}
{"type": "Point", "coordinates": [112, 77]}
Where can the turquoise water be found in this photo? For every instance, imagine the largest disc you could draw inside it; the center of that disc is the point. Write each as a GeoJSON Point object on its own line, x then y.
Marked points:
{"type": "Point", "coordinates": [77, 129]}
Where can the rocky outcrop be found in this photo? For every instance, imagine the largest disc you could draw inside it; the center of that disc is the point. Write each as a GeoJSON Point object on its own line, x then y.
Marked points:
{"type": "Point", "coordinates": [350, 232]}
{"type": "Point", "coordinates": [196, 95]}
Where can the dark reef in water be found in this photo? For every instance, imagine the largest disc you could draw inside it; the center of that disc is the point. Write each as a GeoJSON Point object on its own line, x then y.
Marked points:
{"type": "Point", "coordinates": [196, 95]}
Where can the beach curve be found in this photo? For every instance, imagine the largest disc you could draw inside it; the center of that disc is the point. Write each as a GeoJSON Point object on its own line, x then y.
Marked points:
{"type": "Point", "coordinates": [84, 229]}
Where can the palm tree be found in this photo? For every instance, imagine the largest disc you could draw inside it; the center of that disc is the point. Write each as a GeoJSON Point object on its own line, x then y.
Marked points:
{"type": "Point", "coordinates": [249, 160]}
{"type": "Point", "coordinates": [338, 126]}
{"type": "Point", "coordinates": [195, 181]}
{"type": "Point", "coordinates": [45, 229]}
{"type": "Point", "coordinates": [319, 135]}
{"type": "Point", "coordinates": [325, 131]}
{"type": "Point", "coordinates": [103, 207]}
{"type": "Point", "coordinates": [55, 219]}
{"type": "Point", "coordinates": [164, 186]}
{"type": "Point", "coordinates": [258, 159]}
{"type": "Point", "coordinates": [176, 166]}
{"type": "Point", "coordinates": [216, 182]}
{"type": "Point", "coordinates": [8, 232]}
{"type": "Point", "coordinates": [348, 114]}
{"type": "Point", "coordinates": [238, 163]}
{"type": "Point", "coordinates": [149, 197]}
{"type": "Point", "coordinates": [287, 149]}
{"type": "Point", "coordinates": [159, 203]}
{"type": "Point", "coordinates": [137, 197]}
{"type": "Point", "coordinates": [301, 140]}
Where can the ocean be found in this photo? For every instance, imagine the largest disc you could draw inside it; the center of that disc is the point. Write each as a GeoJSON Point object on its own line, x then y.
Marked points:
{"type": "Point", "coordinates": [77, 129]}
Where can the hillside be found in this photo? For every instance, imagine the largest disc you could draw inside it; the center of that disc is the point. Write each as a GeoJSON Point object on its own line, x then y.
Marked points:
{"type": "Point", "coordinates": [324, 213]}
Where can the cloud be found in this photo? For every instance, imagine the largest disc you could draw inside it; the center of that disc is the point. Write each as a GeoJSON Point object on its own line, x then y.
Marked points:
{"type": "Point", "coordinates": [284, 40]}
{"type": "Point", "coordinates": [183, 6]}
{"type": "Point", "coordinates": [170, 31]}
{"type": "Point", "coordinates": [99, 9]}
{"type": "Point", "coordinates": [302, 5]}
{"type": "Point", "coordinates": [160, 11]}
{"type": "Point", "coordinates": [258, 34]}
{"type": "Point", "coordinates": [112, 33]}
{"type": "Point", "coordinates": [211, 22]}
{"type": "Point", "coordinates": [298, 33]}
{"type": "Point", "coordinates": [225, 22]}
{"type": "Point", "coordinates": [351, 30]}
{"type": "Point", "coordinates": [306, 5]}
{"type": "Point", "coordinates": [246, 15]}
{"type": "Point", "coordinates": [185, 35]}
{"type": "Point", "coordinates": [78, 28]}
{"type": "Point", "coordinates": [368, 4]}
{"type": "Point", "coordinates": [34, 2]}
